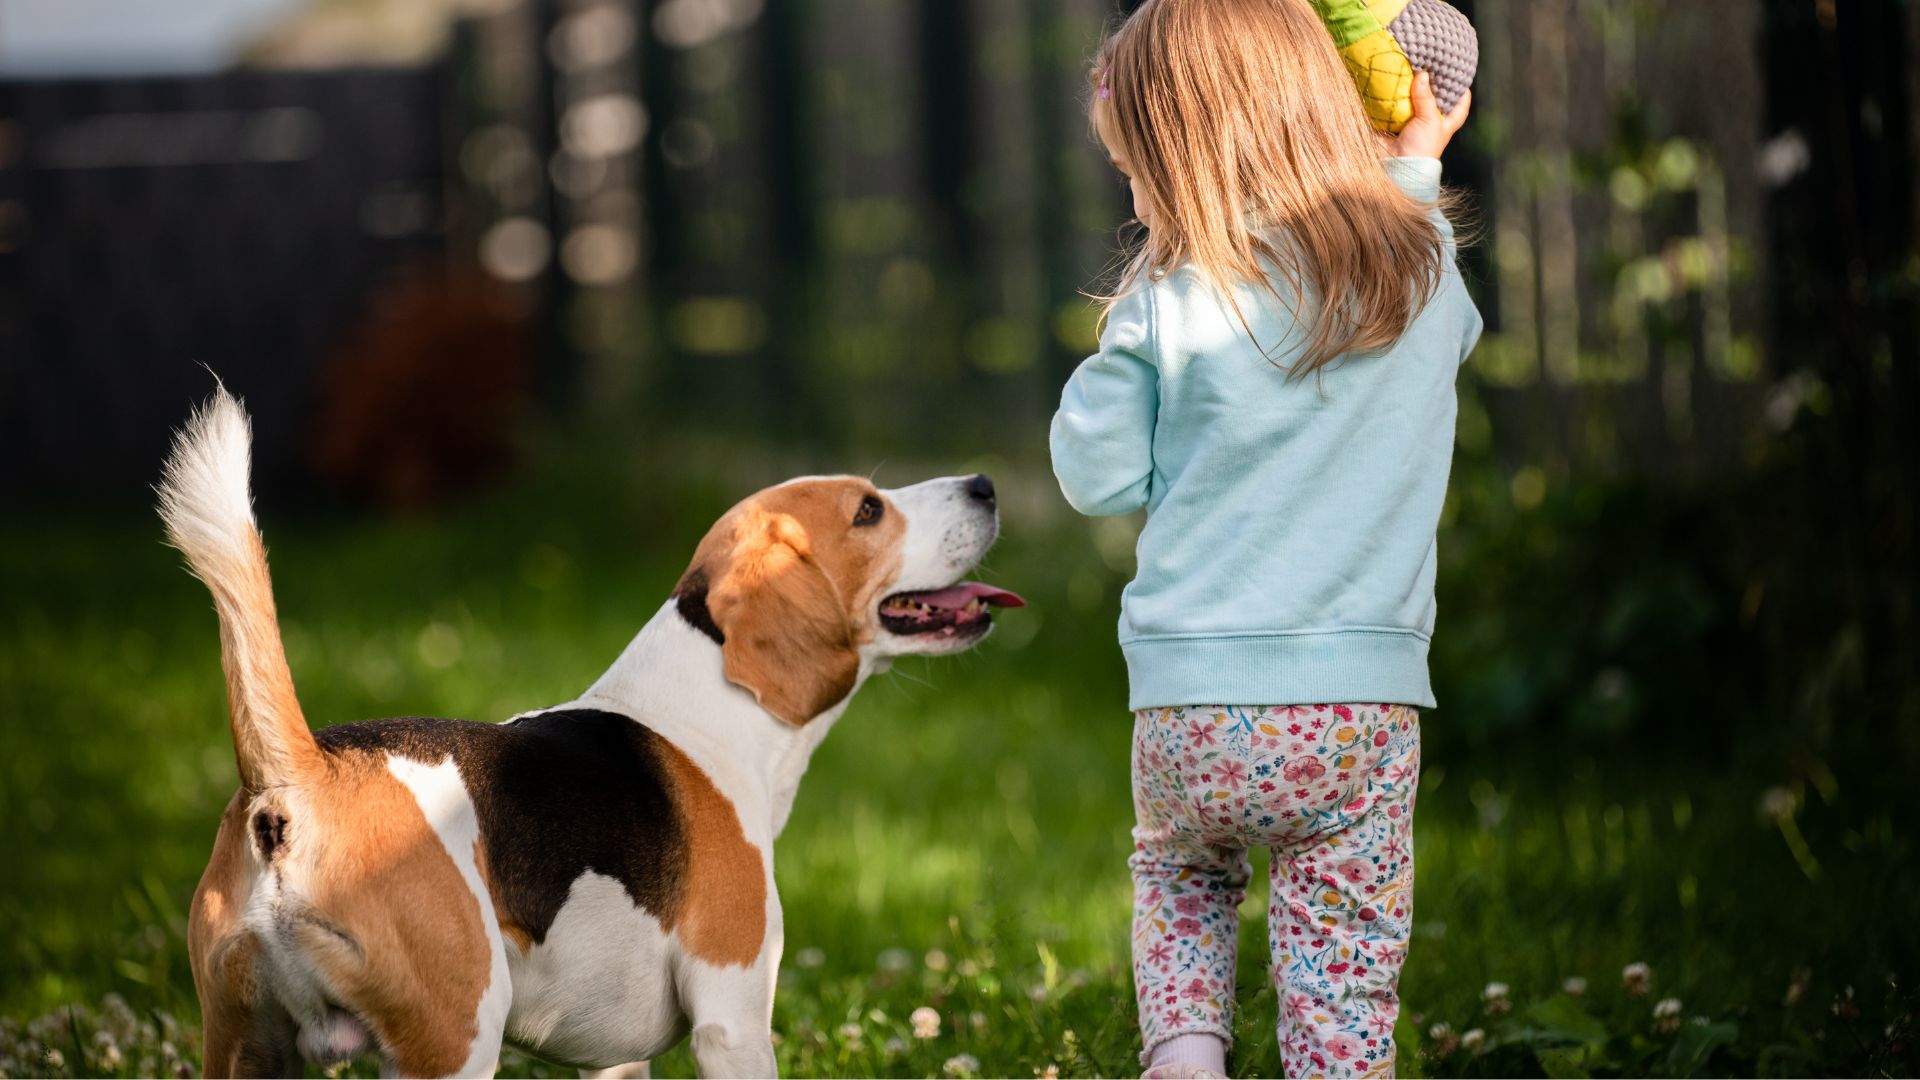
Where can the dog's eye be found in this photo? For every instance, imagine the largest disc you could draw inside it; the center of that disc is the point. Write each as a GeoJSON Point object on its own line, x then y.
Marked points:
{"type": "Point", "coordinates": [870, 510]}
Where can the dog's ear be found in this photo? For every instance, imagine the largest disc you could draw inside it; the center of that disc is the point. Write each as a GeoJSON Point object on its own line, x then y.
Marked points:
{"type": "Point", "coordinates": [786, 636]}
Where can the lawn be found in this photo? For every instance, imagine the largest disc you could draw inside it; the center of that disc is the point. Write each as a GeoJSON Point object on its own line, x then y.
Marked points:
{"type": "Point", "coordinates": [960, 842]}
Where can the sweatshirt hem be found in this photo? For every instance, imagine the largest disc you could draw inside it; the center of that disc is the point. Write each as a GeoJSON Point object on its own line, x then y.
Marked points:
{"type": "Point", "coordinates": [1286, 668]}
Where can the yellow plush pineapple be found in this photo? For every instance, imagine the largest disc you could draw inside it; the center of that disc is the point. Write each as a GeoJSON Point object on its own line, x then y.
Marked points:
{"type": "Point", "coordinates": [1385, 41]}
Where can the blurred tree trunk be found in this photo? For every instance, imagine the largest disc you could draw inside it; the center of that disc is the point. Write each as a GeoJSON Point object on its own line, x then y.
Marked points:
{"type": "Point", "coordinates": [791, 194]}
{"type": "Point", "coordinates": [1844, 335]}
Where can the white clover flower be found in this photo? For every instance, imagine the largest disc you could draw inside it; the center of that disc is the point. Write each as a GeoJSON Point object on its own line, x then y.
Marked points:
{"type": "Point", "coordinates": [1666, 1015]}
{"type": "Point", "coordinates": [1777, 804]}
{"type": "Point", "coordinates": [850, 1032]}
{"type": "Point", "coordinates": [1051, 1072]}
{"type": "Point", "coordinates": [107, 1051]}
{"type": "Point", "coordinates": [1636, 977]}
{"type": "Point", "coordinates": [1473, 1040]}
{"type": "Point", "coordinates": [895, 1046]}
{"type": "Point", "coordinates": [936, 960]}
{"type": "Point", "coordinates": [1443, 1039]}
{"type": "Point", "coordinates": [54, 1058]}
{"type": "Point", "coordinates": [1575, 986]}
{"type": "Point", "coordinates": [1495, 995]}
{"type": "Point", "coordinates": [961, 1065]}
{"type": "Point", "coordinates": [895, 960]}
{"type": "Point", "coordinates": [118, 1018]}
{"type": "Point", "coordinates": [926, 1022]}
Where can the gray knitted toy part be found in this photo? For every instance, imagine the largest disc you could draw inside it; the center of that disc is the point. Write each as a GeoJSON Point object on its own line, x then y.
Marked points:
{"type": "Point", "coordinates": [1439, 40]}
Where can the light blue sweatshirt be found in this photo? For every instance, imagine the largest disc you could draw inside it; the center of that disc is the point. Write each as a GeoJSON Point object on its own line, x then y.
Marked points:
{"type": "Point", "coordinates": [1288, 555]}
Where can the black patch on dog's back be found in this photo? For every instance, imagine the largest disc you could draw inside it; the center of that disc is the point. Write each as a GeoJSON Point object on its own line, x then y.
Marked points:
{"type": "Point", "coordinates": [557, 794]}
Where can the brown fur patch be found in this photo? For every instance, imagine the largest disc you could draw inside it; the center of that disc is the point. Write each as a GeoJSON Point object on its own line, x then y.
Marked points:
{"type": "Point", "coordinates": [721, 914]}
{"type": "Point", "coordinates": [220, 955]}
{"type": "Point", "coordinates": [791, 583]}
{"type": "Point", "coordinates": [402, 942]}
{"type": "Point", "coordinates": [509, 928]}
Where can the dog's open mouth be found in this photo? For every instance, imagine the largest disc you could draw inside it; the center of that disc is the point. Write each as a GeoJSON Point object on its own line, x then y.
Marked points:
{"type": "Point", "coordinates": [956, 609]}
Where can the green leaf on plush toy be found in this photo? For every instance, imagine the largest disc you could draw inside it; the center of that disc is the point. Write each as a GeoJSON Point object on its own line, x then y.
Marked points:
{"type": "Point", "coordinates": [1347, 20]}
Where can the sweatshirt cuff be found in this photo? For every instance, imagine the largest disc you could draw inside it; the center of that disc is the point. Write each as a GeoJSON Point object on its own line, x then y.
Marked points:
{"type": "Point", "coordinates": [1417, 176]}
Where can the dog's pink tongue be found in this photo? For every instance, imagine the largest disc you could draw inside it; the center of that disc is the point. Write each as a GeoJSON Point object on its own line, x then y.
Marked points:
{"type": "Point", "coordinates": [956, 596]}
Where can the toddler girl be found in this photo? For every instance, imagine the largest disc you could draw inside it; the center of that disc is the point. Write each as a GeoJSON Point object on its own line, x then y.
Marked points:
{"type": "Point", "coordinates": [1275, 386]}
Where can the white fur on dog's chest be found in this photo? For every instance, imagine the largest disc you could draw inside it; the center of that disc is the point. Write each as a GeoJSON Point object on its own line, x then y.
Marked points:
{"type": "Point", "coordinates": [598, 991]}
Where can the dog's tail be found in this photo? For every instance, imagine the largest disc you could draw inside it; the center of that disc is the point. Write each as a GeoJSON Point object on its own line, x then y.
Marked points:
{"type": "Point", "coordinates": [208, 511]}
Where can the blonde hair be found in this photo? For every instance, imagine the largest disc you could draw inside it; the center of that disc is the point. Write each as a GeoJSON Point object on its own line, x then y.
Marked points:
{"type": "Point", "coordinates": [1239, 117]}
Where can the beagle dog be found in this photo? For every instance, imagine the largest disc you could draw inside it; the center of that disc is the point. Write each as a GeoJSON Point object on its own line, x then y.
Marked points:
{"type": "Point", "coordinates": [591, 881]}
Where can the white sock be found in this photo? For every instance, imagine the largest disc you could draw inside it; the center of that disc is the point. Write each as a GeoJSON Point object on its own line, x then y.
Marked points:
{"type": "Point", "coordinates": [1204, 1049]}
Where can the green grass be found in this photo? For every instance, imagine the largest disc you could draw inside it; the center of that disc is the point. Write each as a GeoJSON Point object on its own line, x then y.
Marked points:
{"type": "Point", "coordinates": [959, 843]}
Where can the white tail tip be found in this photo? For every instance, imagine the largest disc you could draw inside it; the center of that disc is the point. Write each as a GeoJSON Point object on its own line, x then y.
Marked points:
{"type": "Point", "coordinates": [204, 497]}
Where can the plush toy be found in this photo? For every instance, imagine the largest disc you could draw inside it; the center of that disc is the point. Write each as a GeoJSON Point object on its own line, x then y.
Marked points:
{"type": "Point", "coordinates": [1385, 41]}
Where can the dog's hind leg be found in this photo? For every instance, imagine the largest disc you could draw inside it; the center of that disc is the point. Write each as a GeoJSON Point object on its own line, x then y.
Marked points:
{"type": "Point", "coordinates": [271, 1051]}
{"type": "Point", "coordinates": [483, 1058]}
{"type": "Point", "coordinates": [422, 1049]}
{"type": "Point", "coordinates": [249, 1040]}
{"type": "Point", "coordinates": [246, 1030]}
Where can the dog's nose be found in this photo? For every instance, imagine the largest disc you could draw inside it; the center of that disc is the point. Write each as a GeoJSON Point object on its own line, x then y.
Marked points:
{"type": "Point", "coordinates": [981, 487]}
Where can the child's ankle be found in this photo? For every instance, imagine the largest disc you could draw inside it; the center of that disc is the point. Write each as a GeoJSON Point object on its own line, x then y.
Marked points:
{"type": "Point", "coordinates": [1202, 1049]}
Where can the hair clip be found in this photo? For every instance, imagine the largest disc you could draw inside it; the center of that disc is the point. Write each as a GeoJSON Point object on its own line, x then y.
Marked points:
{"type": "Point", "coordinates": [1105, 91]}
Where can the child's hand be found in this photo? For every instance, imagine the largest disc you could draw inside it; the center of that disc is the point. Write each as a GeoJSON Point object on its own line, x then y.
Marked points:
{"type": "Point", "coordinates": [1427, 134]}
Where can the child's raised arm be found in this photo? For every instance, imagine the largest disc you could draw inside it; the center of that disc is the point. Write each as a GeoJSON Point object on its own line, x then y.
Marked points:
{"type": "Point", "coordinates": [1102, 437]}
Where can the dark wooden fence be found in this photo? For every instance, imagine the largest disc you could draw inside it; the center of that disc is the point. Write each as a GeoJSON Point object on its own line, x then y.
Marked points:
{"type": "Point", "coordinates": [148, 226]}
{"type": "Point", "coordinates": [864, 224]}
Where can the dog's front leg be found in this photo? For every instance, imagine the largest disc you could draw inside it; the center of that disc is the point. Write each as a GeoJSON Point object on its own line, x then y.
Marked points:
{"type": "Point", "coordinates": [731, 1011]}
{"type": "Point", "coordinates": [718, 1050]}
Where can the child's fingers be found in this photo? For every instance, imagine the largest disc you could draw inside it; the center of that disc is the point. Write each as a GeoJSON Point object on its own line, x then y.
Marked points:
{"type": "Point", "coordinates": [1458, 117]}
{"type": "Point", "coordinates": [1425, 106]}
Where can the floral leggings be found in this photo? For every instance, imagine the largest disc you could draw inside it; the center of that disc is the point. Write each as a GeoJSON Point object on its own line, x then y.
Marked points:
{"type": "Point", "coordinates": [1330, 789]}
